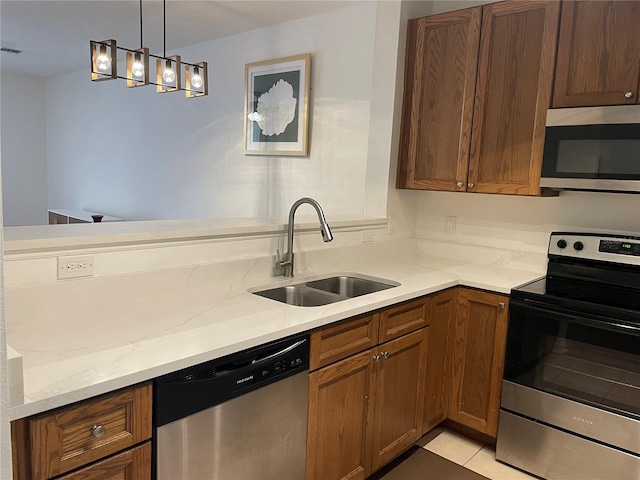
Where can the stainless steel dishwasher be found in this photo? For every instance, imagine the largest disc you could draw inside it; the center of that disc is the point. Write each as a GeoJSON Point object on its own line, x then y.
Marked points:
{"type": "Point", "coordinates": [240, 417]}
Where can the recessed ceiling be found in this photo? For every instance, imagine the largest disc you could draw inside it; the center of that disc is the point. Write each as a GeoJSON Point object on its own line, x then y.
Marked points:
{"type": "Point", "coordinates": [53, 36]}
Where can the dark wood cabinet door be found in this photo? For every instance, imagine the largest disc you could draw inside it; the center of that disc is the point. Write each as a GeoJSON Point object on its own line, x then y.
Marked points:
{"type": "Point", "coordinates": [399, 395]}
{"type": "Point", "coordinates": [515, 72]}
{"type": "Point", "coordinates": [478, 359]}
{"type": "Point", "coordinates": [339, 432]}
{"type": "Point", "coordinates": [442, 54]}
{"type": "Point", "coordinates": [598, 54]}
{"type": "Point", "coordinates": [438, 384]}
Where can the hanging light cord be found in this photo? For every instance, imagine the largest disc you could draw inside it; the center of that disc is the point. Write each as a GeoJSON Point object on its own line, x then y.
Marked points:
{"type": "Point", "coordinates": [164, 26]}
{"type": "Point", "coordinates": [141, 42]}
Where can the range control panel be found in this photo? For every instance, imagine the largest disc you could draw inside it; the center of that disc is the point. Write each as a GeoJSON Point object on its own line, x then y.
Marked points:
{"type": "Point", "coordinates": [603, 247]}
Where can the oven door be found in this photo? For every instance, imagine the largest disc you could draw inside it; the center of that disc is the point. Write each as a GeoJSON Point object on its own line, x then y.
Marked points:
{"type": "Point", "coordinates": [575, 371]}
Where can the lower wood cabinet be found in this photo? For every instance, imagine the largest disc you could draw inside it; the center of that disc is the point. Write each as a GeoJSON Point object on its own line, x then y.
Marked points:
{"type": "Point", "coordinates": [132, 464]}
{"type": "Point", "coordinates": [438, 384]}
{"type": "Point", "coordinates": [63, 440]}
{"type": "Point", "coordinates": [479, 341]}
{"type": "Point", "coordinates": [367, 408]}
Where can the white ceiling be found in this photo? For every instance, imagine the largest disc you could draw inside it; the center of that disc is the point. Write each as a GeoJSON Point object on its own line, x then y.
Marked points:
{"type": "Point", "coordinates": [54, 35]}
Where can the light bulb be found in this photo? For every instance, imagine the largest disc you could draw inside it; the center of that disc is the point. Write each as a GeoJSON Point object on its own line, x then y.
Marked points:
{"type": "Point", "coordinates": [169, 76]}
{"type": "Point", "coordinates": [137, 68]}
{"type": "Point", "coordinates": [103, 62]}
{"type": "Point", "coordinates": [196, 79]}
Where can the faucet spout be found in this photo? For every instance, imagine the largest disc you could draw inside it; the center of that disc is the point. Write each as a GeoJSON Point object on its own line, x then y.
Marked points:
{"type": "Point", "coordinates": [287, 262]}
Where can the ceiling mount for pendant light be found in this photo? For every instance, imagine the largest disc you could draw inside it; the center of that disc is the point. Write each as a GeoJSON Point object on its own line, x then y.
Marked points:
{"type": "Point", "coordinates": [170, 71]}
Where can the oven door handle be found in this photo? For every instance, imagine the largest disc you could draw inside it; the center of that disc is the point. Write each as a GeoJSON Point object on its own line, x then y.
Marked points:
{"type": "Point", "coordinates": [579, 318]}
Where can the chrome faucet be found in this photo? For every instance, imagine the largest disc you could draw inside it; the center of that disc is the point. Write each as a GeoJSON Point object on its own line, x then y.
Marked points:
{"type": "Point", "coordinates": [286, 263]}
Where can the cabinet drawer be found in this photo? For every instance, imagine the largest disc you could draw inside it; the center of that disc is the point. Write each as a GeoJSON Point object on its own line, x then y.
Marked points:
{"type": "Point", "coordinates": [404, 318]}
{"type": "Point", "coordinates": [70, 437]}
{"type": "Point", "coordinates": [133, 464]}
{"type": "Point", "coordinates": [335, 342]}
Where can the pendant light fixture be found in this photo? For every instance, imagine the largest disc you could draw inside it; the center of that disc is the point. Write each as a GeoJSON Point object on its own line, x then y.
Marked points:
{"type": "Point", "coordinates": [170, 71]}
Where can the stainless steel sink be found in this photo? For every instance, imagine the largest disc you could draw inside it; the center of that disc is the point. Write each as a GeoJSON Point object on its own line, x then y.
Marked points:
{"type": "Point", "coordinates": [348, 286]}
{"type": "Point", "coordinates": [324, 291]}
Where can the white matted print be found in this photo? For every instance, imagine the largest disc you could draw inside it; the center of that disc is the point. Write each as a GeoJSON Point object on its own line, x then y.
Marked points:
{"type": "Point", "coordinates": [277, 106]}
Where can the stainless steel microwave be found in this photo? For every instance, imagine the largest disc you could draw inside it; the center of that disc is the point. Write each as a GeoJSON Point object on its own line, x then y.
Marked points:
{"type": "Point", "coordinates": [594, 148]}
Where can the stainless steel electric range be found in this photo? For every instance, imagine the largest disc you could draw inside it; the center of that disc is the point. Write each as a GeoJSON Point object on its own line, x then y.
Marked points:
{"type": "Point", "coordinates": [570, 405]}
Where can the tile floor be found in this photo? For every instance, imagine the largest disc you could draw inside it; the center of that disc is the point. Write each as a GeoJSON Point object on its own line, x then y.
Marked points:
{"type": "Point", "coordinates": [471, 455]}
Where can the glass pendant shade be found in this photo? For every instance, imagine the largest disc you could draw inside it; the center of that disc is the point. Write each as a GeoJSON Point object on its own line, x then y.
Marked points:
{"type": "Point", "coordinates": [103, 60]}
{"type": "Point", "coordinates": [168, 78]}
{"type": "Point", "coordinates": [137, 67]}
{"type": "Point", "coordinates": [196, 79]}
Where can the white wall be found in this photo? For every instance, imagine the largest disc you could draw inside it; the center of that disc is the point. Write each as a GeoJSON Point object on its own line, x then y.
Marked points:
{"type": "Point", "coordinates": [524, 223]}
{"type": "Point", "coordinates": [23, 149]}
{"type": "Point", "coordinates": [137, 154]}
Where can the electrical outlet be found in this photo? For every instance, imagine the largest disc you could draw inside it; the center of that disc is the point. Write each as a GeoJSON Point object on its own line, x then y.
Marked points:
{"type": "Point", "coordinates": [450, 225]}
{"type": "Point", "coordinates": [72, 267]}
{"type": "Point", "coordinates": [367, 236]}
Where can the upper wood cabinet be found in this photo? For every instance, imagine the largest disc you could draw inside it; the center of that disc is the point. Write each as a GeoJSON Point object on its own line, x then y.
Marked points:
{"type": "Point", "coordinates": [442, 53]}
{"type": "Point", "coordinates": [513, 93]}
{"type": "Point", "coordinates": [477, 87]}
{"type": "Point", "coordinates": [479, 344]}
{"type": "Point", "coordinates": [598, 54]}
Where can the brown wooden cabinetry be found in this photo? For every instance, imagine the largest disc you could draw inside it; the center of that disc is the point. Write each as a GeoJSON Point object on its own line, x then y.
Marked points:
{"type": "Point", "coordinates": [478, 359]}
{"type": "Point", "coordinates": [132, 464]}
{"type": "Point", "coordinates": [513, 92]}
{"type": "Point", "coordinates": [438, 383]}
{"type": "Point", "coordinates": [598, 54]}
{"type": "Point", "coordinates": [399, 372]}
{"type": "Point", "coordinates": [440, 80]}
{"type": "Point", "coordinates": [367, 408]}
{"type": "Point", "coordinates": [57, 442]}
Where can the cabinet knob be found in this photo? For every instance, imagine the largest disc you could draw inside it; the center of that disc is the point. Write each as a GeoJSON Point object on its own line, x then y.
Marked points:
{"type": "Point", "coordinates": [628, 95]}
{"type": "Point", "coordinates": [385, 355]}
{"type": "Point", "coordinates": [501, 305]}
{"type": "Point", "coordinates": [459, 184]}
{"type": "Point", "coordinates": [376, 358]}
{"type": "Point", "coordinates": [469, 185]}
{"type": "Point", "coordinates": [97, 431]}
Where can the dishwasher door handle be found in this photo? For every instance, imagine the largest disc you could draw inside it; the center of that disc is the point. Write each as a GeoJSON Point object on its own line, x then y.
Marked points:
{"type": "Point", "coordinates": [277, 354]}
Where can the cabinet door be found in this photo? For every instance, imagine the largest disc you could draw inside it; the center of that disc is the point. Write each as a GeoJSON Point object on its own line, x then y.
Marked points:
{"type": "Point", "coordinates": [442, 54]}
{"type": "Point", "coordinates": [133, 464]}
{"type": "Point", "coordinates": [399, 395]}
{"type": "Point", "coordinates": [598, 54]}
{"type": "Point", "coordinates": [339, 431]}
{"type": "Point", "coordinates": [478, 359]}
{"type": "Point", "coordinates": [438, 371]}
{"type": "Point", "coordinates": [515, 72]}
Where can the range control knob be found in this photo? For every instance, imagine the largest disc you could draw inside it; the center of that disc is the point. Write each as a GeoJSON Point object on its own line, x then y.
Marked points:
{"type": "Point", "coordinates": [561, 243]}
{"type": "Point", "coordinates": [578, 246]}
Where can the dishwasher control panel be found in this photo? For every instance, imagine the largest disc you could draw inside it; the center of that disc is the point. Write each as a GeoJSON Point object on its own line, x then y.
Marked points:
{"type": "Point", "coordinates": [211, 383]}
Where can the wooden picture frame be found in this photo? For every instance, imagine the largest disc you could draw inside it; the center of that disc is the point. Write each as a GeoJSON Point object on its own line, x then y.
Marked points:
{"type": "Point", "coordinates": [277, 106]}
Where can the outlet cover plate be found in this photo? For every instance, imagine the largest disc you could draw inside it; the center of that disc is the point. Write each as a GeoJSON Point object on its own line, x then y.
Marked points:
{"type": "Point", "coordinates": [78, 266]}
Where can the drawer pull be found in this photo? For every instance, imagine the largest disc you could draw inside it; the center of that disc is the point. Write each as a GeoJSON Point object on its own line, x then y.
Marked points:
{"type": "Point", "coordinates": [501, 305]}
{"type": "Point", "coordinates": [97, 431]}
{"type": "Point", "coordinates": [628, 95]}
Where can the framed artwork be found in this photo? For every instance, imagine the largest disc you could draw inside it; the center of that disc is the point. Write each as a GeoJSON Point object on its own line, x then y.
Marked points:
{"type": "Point", "coordinates": [277, 106]}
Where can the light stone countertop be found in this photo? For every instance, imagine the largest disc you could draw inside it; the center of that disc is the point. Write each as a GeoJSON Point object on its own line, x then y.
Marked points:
{"type": "Point", "coordinates": [86, 337]}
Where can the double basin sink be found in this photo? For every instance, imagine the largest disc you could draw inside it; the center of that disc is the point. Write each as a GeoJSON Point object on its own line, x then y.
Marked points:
{"type": "Point", "coordinates": [324, 291]}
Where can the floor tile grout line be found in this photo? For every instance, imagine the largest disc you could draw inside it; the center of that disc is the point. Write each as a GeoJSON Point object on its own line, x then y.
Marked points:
{"type": "Point", "coordinates": [473, 456]}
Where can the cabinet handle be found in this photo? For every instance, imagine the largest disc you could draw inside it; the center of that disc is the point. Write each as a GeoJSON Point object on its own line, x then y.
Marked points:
{"type": "Point", "coordinates": [97, 431]}
{"type": "Point", "coordinates": [459, 184]}
{"type": "Point", "coordinates": [501, 305]}
{"type": "Point", "coordinates": [469, 185]}
{"type": "Point", "coordinates": [376, 358]}
{"type": "Point", "coordinates": [385, 355]}
{"type": "Point", "coordinates": [628, 95]}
